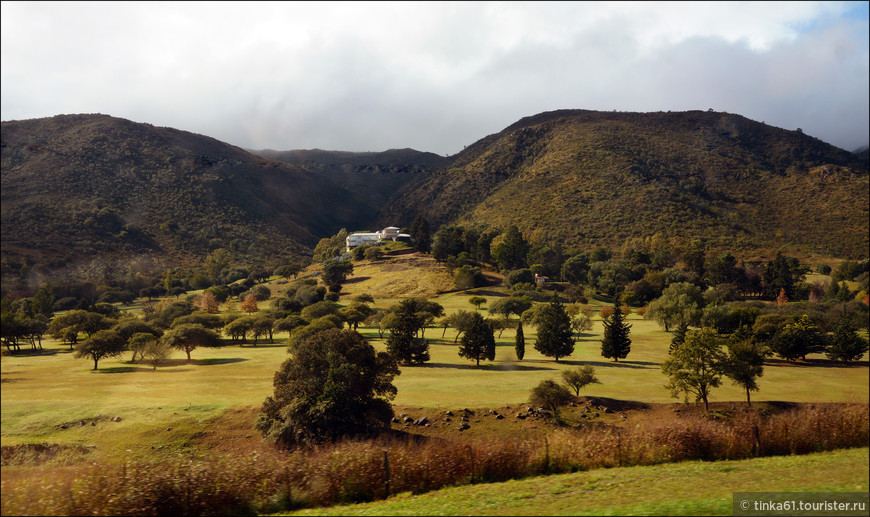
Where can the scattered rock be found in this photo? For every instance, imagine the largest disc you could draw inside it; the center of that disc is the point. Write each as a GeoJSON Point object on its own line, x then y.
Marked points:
{"type": "Point", "coordinates": [499, 417]}
{"type": "Point", "coordinates": [407, 419]}
{"type": "Point", "coordinates": [116, 419]}
{"type": "Point", "coordinates": [168, 428]}
{"type": "Point", "coordinates": [608, 410]}
{"type": "Point", "coordinates": [395, 420]}
{"type": "Point", "coordinates": [463, 426]}
{"type": "Point", "coordinates": [447, 419]}
{"type": "Point", "coordinates": [421, 421]}
{"type": "Point", "coordinates": [448, 413]}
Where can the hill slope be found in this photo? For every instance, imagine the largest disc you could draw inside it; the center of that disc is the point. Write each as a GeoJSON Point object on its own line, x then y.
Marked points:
{"type": "Point", "coordinates": [587, 178]}
{"type": "Point", "coordinates": [92, 185]}
{"type": "Point", "coordinates": [376, 179]}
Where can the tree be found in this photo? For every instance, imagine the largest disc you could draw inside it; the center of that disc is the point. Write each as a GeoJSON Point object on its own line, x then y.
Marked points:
{"type": "Point", "coordinates": [680, 302]}
{"type": "Point", "coordinates": [238, 328]}
{"type": "Point", "coordinates": [355, 313]}
{"type": "Point", "coordinates": [336, 385]}
{"type": "Point", "coordinates": [616, 344]}
{"type": "Point", "coordinates": [420, 233]}
{"type": "Point", "coordinates": [745, 364]}
{"type": "Point", "coordinates": [511, 252]}
{"type": "Point", "coordinates": [679, 337]}
{"type": "Point", "coordinates": [101, 344]}
{"type": "Point", "coordinates": [335, 273]}
{"type": "Point", "coordinates": [262, 326]}
{"type": "Point", "coordinates": [846, 345]}
{"type": "Point", "coordinates": [477, 301]}
{"type": "Point", "coordinates": [207, 302]}
{"type": "Point", "coordinates": [550, 395]}
{"type": "Point", "coordinates": [189, 336]}
{"type": "Point", "coordinates": [555, 336]}
{"type": "Point", "coordinates": [576, 269]}
{"type": "Point", "coordinates": [696, 366]}
{"type": "Point", "coordinates": [797, 339]}
{"type": "Point", "coordinates": [459, 320]}
{"type": "Point", "coordinates": [468, 277]}
{"type": "Point", "coordinates": [249, 304]}
{"type": "Point", "coordinates": [520, 342]}
{"type": "Point", "coordinates": [155, 352]}
{"type": "Point", "coordinates": [579, 378]}
{"type": "Point", "coordinates": [403, 343]}
{"type": "Point", "coordinates": [510, 305]}
{"type": "Point", "coordinates": [581, 323]}
{"type": "Point", "coordinates": [138, 342]}
{"type": "Point", "coordinates": [479, 341]}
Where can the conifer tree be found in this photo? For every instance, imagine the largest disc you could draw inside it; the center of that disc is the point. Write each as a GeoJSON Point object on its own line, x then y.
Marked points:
{"type": "Point", "coordinates": [616, 344]}
{"type": "Point", "coordinates": [555, 336]}
{"type": "Point", "coordinates": [520, 342]}
{"type": "Point", "coordinates": [846, 344]}
{"type": "Point", "coordinates": [679, 337]}
{"type": "Point", "coordinates": [478, 342]}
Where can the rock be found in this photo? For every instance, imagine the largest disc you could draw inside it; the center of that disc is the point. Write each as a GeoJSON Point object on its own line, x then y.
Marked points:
{"type": "Point", "coordinates": [463, 426]}
{"type": "Point", "coordinates": [676, 410]}
{"type": "Point", "coordinates": [168, 428]}
{"type": "Point", "coordinates": [407, 419]}
{"type": "Point", "coordinates": [447, 419]}
{"type": "Point", "coordinates": [464, 419]}
{"type": "Point", "coordinates": [448, 413]}
{"type": "Point", "coordinates": [468, 411]}
{"type": "Point", "coordinates": [499, 417]}
{"type": "Point", "coordinates": [116, 419]}
{"type": "Point", "coordinates": [395, 420]}
{"type": "Point", "coordinates": [521, 416]}
{"type": "Point", "coordinates": [608, 410]}
{"type": "Point", "coordinates": [421, 421]}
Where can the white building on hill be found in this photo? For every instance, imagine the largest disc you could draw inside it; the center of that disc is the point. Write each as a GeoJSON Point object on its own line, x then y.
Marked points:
{"type": "Point", "coordinates": [390, 233]}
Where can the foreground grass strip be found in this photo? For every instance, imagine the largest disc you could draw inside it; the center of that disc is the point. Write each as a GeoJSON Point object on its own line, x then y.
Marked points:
{"type": "Point", "coordinates": [688, 488]}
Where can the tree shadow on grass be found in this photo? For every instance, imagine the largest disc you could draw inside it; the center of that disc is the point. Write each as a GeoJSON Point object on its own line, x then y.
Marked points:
{"type": "Point", "coordinates": [356, 279]}
{"type": "Point", "coordinates": [641, 365]}
{"type": "Point", "coordinates": [816, 363]}
{"type": "Point", "coordinates": [38, 352]}
{"type": "Point", "coordinates": [486, 367]}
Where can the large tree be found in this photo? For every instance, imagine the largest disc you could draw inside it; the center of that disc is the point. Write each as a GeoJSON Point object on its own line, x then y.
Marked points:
{"type": "Point", "coordinates": [101, 344]}
{"type": "Point", "coordinates": [680, 302]}
{"type": "Point", "coordinates": [797, 339]}
{"type": "Point", "coordinates": [512, 251]}
{"type": "Point", "coordinates": [404, 322]}
{"type": "Point", "coordinates": [421, 235]}
{"type": "Point", "coordinates": [846, 345]}
{"type": "Point", "coordinates": [189, 336]}
{"type": "Point", "coordinates": [745, 364]}
{"type": "Point", "coordinates": [696, 366]}
{"type": "Point", "coordinates": [335, 273]}
{"type": "Point", "coordinates": [479, 341]}
{"type": "Point", "coordinates": [335, 385]}
{"type": "Point", "coordinates": [555, 336]}
{"type": "Point", "coordinates": [616, 344]}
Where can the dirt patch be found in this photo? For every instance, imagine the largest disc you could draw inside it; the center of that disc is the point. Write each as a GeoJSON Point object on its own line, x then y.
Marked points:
{"type": "Point", "coordinates": [34, 454]}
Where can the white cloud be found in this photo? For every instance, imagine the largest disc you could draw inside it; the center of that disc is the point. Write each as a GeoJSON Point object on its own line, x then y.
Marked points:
{"type": "Point", "coordinates": [433, 76]}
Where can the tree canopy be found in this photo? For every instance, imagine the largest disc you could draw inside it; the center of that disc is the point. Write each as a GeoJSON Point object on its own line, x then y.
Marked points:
{"type": "Point", "coordinates": [555, 336]}
{"type": "Point", "coordinates": [479, 341]}
{"type": "Point", "coordinates": [335, 385]}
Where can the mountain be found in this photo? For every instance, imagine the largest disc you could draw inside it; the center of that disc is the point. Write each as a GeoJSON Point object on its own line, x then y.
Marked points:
{"type": "Point", "coordinates": [79, 188]}
{"type": "Point", "coordinates": [376, 179]}
{"type": "Point", "coordinates": [586, 179]}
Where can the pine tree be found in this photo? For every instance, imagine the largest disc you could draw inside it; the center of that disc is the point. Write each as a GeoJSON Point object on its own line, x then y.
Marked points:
{"type": "Point", "coordinates": [520, 342]}
{"type": "Point", "coordinates": [420, 234]}
{"type": "Point", "coordinates": [478, 342]}
{"type": "Point", "coordinates": [679, 337]}
{"type": "Point", "coordinates": [846, 344]}
{"type": "Point", "coordinates": [616, 344]}
{"type": "Point", "coordinates": [555, 335]}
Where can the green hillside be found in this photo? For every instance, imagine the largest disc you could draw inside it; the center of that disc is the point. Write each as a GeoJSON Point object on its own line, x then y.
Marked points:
{"type": "Point", "coordinates": [586, 179]}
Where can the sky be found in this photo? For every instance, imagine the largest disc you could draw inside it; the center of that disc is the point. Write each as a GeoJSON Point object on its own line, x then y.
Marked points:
{"type": "Point", "coordinates": [370, 76]}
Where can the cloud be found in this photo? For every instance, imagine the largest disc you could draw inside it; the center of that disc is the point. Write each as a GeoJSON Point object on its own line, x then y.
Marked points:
{"type": "Point", "coordinates": [434, 76]}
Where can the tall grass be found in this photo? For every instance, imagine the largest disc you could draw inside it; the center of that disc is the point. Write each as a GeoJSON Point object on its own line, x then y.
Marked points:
{"type": "Point", "coordinates": [357, 470]}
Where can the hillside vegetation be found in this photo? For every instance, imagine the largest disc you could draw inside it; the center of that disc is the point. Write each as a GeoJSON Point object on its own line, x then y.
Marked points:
{"type": "Point", "coordinates": [83, 186]}
{"type": "Point", "coordinates": [597, 178]}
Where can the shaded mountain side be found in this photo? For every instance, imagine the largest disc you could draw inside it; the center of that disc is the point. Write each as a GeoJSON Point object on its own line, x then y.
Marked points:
{"type": "Point", "coordinates": [375, 179]}
{"type": "Point", "coordinates": [585, 179]}
{"type": "Point", "coordinates": [79, 186]}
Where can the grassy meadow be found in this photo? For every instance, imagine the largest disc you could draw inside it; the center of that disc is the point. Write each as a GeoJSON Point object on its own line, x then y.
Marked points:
{"type": "Point", "coordinates": [59, 413]}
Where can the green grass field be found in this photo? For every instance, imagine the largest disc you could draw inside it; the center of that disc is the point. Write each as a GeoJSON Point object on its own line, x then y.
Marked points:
{"type": "Point", "coordinates": [43, 392]}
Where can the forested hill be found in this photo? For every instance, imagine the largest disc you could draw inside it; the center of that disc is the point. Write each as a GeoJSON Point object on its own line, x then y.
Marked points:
{"type": "Point", "coordinates": [76, 187]}
{"type": "Point", "coordinates": [376, 179]}
{"type": "Point", "coordinates": [587, 178]}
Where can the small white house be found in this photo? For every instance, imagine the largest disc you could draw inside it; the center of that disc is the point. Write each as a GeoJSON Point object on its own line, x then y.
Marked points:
{"type": "Point", "coordinates": [390, 233]}
{"type": "Point", "coordinates": [540, 279]}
